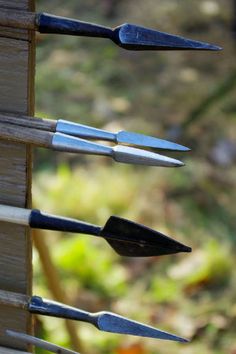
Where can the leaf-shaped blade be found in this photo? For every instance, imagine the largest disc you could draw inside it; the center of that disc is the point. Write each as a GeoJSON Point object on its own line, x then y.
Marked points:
{"type": "Point", "coordinates": [111, 322]}
{"type": "Point", "coordinates": [139, 240]}
{"type": "Point", "coordinates": [133, 37]}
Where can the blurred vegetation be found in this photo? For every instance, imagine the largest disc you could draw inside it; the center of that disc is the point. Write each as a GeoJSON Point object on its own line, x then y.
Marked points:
{"type": "Point", "coordinates": [187, 96]}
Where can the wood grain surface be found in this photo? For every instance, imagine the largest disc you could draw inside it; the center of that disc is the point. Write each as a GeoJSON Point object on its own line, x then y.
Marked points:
{"type": "Point", "coordinates": [16, 96]}
{"type": "Point", "coordinates": [18, 19]}
{"type": "Point", "coordinates": [4, 350]}
{"type": "Point", "coordinates": [17, 133]}
{"type": "Point", "coordinates": [33, 122]}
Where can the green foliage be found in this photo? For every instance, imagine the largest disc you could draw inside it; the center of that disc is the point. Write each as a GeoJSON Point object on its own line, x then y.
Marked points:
{"type": "Point", "coordinates": [78, 258]}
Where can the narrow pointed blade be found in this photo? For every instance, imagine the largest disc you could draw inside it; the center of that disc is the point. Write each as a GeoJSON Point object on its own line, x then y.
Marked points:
{"type": "Point", "coordinates": [138, 240]}
{"type": "Point", "coordinates": [135, 37]}
{"type": "Point", "coordinates": [148, 141]}
{"type": "Point", "coordinates": [134, 156]}
{"type": "Point", "coordinates": [111, 322]}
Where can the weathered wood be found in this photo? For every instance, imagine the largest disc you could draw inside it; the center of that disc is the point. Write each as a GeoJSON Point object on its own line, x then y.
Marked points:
{"type": "Point", "coordinates": [11, 351]}
{"type": "Point", "coordinates": [26, 135]}
{"type": "Point", "coordinates": [37, 342]}
{"type": "Point", "coordinates": [16, 96]}
{"type": "Point", "coordinates": [18, 19]}
{"type": "Point", "coordinates": [8, 298]}
{"type": "Point", "coordinates": [37, 123]}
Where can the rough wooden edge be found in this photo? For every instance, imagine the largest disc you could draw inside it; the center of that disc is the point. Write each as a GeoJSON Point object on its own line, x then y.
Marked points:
{"type": "Point", "coordinates": [4, 350]}
{"type": "Point", "coordinates": [29, 109]}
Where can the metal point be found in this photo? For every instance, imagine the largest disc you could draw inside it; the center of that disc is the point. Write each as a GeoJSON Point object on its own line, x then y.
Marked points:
{"type": "Point", "coordinates": [133, 37]}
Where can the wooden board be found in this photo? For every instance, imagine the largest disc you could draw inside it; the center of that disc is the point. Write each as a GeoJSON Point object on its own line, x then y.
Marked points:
{"type": "Point", "coordinates": [4, 350]}
{"type": "Point", "coordinates": [17, 59]}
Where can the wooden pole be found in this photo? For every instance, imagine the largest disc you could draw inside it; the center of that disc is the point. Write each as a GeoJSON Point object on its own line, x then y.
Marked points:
{"type": "Point", "coordinates": [17, 61]}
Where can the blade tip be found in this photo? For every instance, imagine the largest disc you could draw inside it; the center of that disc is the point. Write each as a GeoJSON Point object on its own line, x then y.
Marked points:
{"type": "Point", "coordinates": [211, 47]}
{"type": "Point", "coordinates": [183, 248]}
{"type": "Point", "coordinates": [215, 47]}
{"type": "Point", "coordinates": [185, 149]}
{"type": "Point", "coordinates": [178, 163]}
{"type": "Point", "coordinates": [184, 340]}
{"type": "Point", "coordinates": [187, 249]}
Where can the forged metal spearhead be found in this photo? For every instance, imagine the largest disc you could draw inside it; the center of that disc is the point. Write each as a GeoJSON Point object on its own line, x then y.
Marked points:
{"type": "Point", "coordinates": [104, 321]}
{"type": "Point", "coordinates": [139, 240]}
{"type": "Point", "coordinates": [111, 322]}
{"type": "Point", "coordinates": [119, 153]}
{"type": "Point", "coordinates": [131, 155]}
{"type": "Point", "coordinates": [121, 137]}
{"type": "Point", "coordinates": [133, 37]}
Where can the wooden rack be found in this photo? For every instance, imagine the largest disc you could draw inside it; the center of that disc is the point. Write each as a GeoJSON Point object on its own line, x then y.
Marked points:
{"type": "Point", "coordinates": [17, 63]}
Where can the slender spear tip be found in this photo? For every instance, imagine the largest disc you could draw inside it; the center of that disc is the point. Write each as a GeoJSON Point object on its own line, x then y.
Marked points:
{"type": "Point", "coordinates": [135, 156]}
{"type": "Point", "coordinates": [133, 37]}
{"type": "Point", "coordinates": [183, 148]}
{"type": "Point", "coordinates": [111, 322]}
{"type": "Point", "coordinates": [137, 139]}
{"type": "Point", "coordinates": [214, 47]}
{"type": "Point", "coordinates": [185, 248]}
{"type": "Point", "coordinates": [178, 163]}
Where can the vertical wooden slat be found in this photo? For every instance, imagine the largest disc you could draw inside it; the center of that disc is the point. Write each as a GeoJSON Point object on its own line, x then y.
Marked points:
{"type": "Point", "coordinates": [17, 60]}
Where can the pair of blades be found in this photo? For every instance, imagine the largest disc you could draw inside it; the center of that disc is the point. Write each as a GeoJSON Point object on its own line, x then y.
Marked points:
{"type": "Point", "coordinates": [127, 238]}
{"type": "Point", "coordinates": [104, 321]}
{"type": "Point", "coordinates": [127, 36]}
{"type": "Point", "coordinates": [67, 136]}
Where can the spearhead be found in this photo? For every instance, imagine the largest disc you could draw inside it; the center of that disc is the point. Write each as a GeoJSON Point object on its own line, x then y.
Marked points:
{"type": "Point", "coordinates": [135, 37]}
{"type": "Point", "coordinates": [111, 322]}
{"type": "Point", "coordinates": [139, 240]}
{"type": "Point", "coordinates": [127, 36]}
{"type": "Point", "coordinates": [121, 137]}
{"type": "Point", "coordinates": [125, 137]}
{"type": "Point", "coordinates": [104, 321]}
{"type": "Point", "coordinates": [119, 153]}
{"type": "Point", "coordinates": [135, 156]}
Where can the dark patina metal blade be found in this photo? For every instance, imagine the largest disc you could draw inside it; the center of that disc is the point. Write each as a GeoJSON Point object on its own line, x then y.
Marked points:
{"type": "Point", "coordinates": [104, 321]}
{"type": "Point", "coordinates": [139, 240]}
{"type": "Point", "coordinates": [111, 322]}
{"type": "Point", "coordinates": [127, 36]}
{"type": "Point", "coordinates": [135, 37]}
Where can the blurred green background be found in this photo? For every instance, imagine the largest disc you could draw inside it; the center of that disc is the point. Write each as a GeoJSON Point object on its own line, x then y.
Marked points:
{"type": "Point", "coordinates": [184, 96]}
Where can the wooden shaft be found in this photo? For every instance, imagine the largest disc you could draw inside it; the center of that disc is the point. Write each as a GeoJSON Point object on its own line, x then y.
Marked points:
{"type": "Point", "coordinates": [8, 298]}
{"type": "Point", "coordinates": [14, 215]}
{"type": "Point", "coordinates": [18, 19]}
{"type": "Point", "coordinates": [31, 122]}
{"type": "Point", "coordinates": [27, 339]}
{"type": "Point", "coordinates": [4, 350]}
{"type": "Point", "coordinates": [26, 135]}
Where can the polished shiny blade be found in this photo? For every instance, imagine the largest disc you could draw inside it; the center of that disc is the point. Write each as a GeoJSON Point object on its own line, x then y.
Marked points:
{"type": "Point", "coordinates": [135, 37]}
{"type": "Point", "coordinates": [88, 132]}
{"type": "Point", "coordinates": [134, 156]}
{"type": "Point", "coordinates": [125, 137]}
{"type": "Point", "coordinates": [111, 322]}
